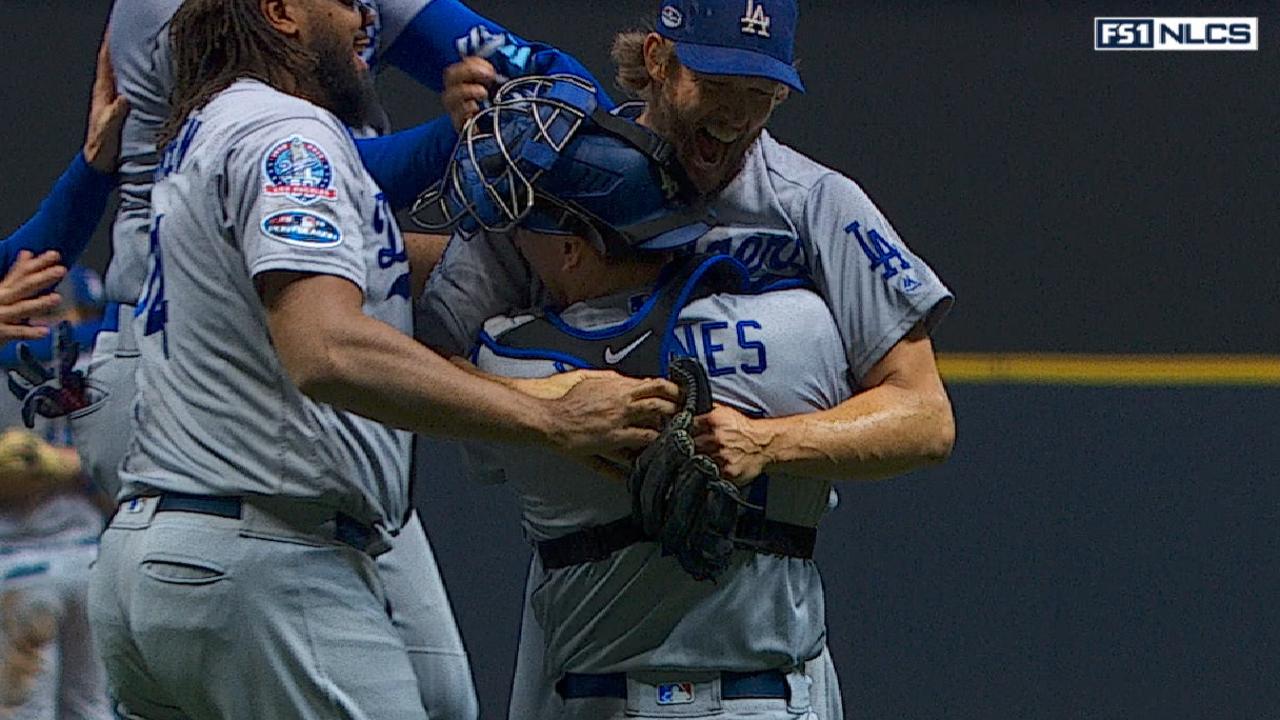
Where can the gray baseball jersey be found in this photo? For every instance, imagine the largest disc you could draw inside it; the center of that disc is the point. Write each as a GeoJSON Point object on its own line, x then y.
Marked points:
{"type": "Point", "coordinates": [776, 353]}
{"type": "Point", "coordinates": [260, 181]}
{"type": "Point", "coordinates": [784, 216]}
{"type": "Point", "coordinates": [144, 72]}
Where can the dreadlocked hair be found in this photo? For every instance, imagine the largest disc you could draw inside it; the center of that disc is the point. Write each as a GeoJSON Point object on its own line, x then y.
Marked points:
{"type": "Point", "coordinates": [217, 42]}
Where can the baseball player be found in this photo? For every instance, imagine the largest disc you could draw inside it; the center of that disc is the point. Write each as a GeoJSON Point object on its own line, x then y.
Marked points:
{"type": "Point", "coordinates": [48, 536]}
{"type": "Point", "coordinates": [710, 75]}
{"type": "Point", "coordinates": [48, 525]}
{"type": "Point", "coordinates": [626, 632]}
{"type": "Point", "coordinates": [420, 37]}
{"type": "Point", "coordinates": [237, 579]}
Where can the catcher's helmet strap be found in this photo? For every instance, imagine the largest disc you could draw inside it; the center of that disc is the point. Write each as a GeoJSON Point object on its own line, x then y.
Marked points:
{"type": "Point", "coordinates": [650, 143]}
{"type": "Point", "coordinates": [645, 140]}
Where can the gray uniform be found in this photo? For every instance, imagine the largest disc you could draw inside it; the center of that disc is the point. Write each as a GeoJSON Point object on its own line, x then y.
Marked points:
{"type": "Point", "coordinates": [45, 553]}
{"type": "Point", "coordinates": [787, 218]}
{"type": "Point", "coordinates": [772, 354]}
{"type": "Point", "coordinates": [420, 607]}
{"type": "Point", "coordinates": [278, 612]}
{"type": "Point", "coordinates": [43, 589]}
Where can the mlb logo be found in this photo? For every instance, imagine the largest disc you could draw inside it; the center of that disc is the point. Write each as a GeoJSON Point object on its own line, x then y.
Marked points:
{"type": "Point", "coordinates": [675, 693]}
{"type": "Point", "coordinates": [1123, 33]}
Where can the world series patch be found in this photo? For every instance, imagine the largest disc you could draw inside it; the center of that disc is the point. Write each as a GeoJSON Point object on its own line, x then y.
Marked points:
{"type": "Point", "coordinates": [298, 169]}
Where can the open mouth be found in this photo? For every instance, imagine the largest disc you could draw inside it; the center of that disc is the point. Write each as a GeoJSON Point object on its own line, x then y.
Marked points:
{"type": "Point", "coordinates": [710, 150]}
{"type": "Point", "coordinates": [360, 47]}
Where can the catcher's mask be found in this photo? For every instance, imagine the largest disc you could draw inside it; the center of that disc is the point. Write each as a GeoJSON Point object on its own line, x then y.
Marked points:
{"type": "Point", "coordinates": [544, 157]}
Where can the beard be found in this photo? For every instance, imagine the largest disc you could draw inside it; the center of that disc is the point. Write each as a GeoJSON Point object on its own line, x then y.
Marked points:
{"type": "Point", "coordinates": [339, 85]}
{"type": "Point", "coordinates": [710, 164]}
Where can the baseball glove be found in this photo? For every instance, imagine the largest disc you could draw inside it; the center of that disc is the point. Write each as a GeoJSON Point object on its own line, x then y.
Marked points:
{"type": "Point", "coordinates": [48, 393]}
{"type": "Point", "coordinates": [678, 496]}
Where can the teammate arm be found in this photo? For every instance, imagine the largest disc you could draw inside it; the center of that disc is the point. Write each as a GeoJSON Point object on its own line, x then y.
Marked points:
{"type": "Point", "coordinates": [404, 163]}
{"type": "Point", "coordinates": [338, 355]}
{"type": "Point", "coordinates": [885, 300]}
{"type": "Point", "coordinates": [902, 421]}
{"type": "Point", "coordinates": [437, 37]}
{"type": "Point", "coordinates": [445, 31]}
{"type": "Point", "coordinates": [68, 216]}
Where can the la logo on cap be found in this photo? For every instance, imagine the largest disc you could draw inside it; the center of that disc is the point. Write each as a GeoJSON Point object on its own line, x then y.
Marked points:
{"type": "Point", "coordinates": [754, 21]}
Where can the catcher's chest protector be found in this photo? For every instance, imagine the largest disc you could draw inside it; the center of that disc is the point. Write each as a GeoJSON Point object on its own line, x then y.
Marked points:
{"type": "Point", "coordinates": [646, 340]}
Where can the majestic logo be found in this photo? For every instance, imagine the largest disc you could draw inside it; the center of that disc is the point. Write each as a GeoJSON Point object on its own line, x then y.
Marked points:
{"type": "Point", "coordinates": [299, 170]}
{"type": "Point", "coordinates": [613, 358]}
{"type": "Point", "coordinates": [675, 693]}
{"type": "Point", "coordinates": [301, 227]}
{"type": "Point", "coordinates": [1175, 33]}
{"type": "Point", "coordinates": [672, 17]}
{"type": "Point", "coordinates": [754, 21]}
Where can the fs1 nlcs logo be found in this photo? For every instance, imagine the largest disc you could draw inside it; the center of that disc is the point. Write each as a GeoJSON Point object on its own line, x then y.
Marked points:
{"type": "Point", "coordinates": [1176, 33]}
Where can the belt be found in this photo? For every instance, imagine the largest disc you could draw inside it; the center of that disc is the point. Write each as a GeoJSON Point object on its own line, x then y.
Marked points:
{"type": "Point", "coordinates": [347, 530]}
{"type": "Point", "coordinates": [770, 684]}
{"type": "Point", "coordinates": [754, 532]}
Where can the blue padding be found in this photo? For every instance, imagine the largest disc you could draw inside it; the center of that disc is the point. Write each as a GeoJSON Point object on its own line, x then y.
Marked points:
{"type": "Point", "coordinates": [539, 154]}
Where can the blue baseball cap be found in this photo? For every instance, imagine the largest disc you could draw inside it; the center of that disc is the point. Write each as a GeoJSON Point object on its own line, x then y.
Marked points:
{"type": "Point", "coordinates": [755, 38]}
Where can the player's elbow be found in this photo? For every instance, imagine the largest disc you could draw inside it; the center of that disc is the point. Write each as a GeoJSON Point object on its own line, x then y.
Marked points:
{"type": "Point", "coordinates": [321, 372]}
{"type": "Point", "coordinates": [940, 439]}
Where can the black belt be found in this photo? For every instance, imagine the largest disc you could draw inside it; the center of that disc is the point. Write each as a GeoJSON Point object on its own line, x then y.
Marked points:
{"type": "Point", "coordinates": [754, 532]}
{"type": "Point", "coordinates": [347, 530]}
{"type": "Point", "coordinates": [770, 684]}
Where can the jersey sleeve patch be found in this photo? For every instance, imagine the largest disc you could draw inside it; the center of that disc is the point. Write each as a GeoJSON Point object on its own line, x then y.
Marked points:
{"type": "Point", "coordinates": [298, 169]}
{"type": "Point", "coordinates": [302, 228]}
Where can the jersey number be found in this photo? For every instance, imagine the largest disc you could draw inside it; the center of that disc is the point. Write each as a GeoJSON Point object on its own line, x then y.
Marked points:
{"type": "Point", "coordinates": [153, 304]}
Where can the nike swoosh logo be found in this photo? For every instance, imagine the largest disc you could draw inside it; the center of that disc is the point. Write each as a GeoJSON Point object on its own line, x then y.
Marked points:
{"type": "Point", "coordinates": [613, 358]}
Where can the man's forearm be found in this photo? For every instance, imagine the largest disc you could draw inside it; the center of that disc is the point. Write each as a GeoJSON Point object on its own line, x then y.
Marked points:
{"type": "Point", "coordinates": [551, 387]}
{"type": "Point", "coordinates": [882, 432]}
{"type": "Point", "coordinates": [373, 370]}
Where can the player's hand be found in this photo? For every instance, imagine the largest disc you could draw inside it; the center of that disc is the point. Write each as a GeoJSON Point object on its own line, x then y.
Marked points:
{"type": "Point", "coordinates": [739, 445]}
{"type": "Point", "coordinates": [107, 111]}
{"type": "Point", "coordinates": [611, 413]}
{"type": "Point", "coordinates": [466, 86]}
{"type": "Point", "coordinates": [27, 277]}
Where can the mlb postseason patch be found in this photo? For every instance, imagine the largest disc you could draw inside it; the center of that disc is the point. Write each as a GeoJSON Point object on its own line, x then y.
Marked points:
{"type": "Point", "coordinates": [298, 169]}
{"type": "Point", "coordinates": [672, 17]}
{"type": "Point", "coordinates": [302, 228]}
{"type": "Point", "coordinates": [675, 693]}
